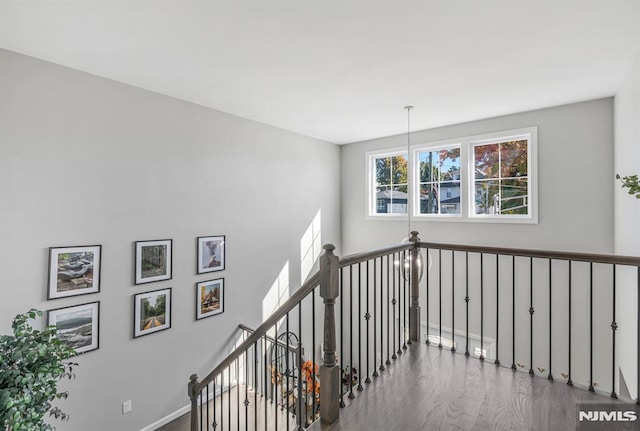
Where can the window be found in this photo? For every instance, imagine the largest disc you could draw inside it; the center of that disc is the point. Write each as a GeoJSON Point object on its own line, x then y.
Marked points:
{"type": "Point", "coordinates": [488, 178]}
{"type": "Point", "coordinates": [500, 178]}
{"type": "Point", "coordinates": [439, 169]}
{"type": "Point", "coordinates": [389, 194]}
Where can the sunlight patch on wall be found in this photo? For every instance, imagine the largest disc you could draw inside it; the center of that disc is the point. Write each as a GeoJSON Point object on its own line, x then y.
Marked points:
{"type": "Point", "coordinates": [277, 295]}
{"type": "Point", "coordinates": [311, 246]}
{"type": "Point", "coordinates": [237, 373]}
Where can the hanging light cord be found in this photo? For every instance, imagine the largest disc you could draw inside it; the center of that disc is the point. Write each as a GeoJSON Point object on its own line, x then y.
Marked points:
{"type": "Point", "coordinates": [408, 108]}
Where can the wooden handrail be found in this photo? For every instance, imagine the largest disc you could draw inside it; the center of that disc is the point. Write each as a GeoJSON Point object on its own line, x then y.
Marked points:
{"type": "Point", "coordinates": [328, 281]}
{"type": "Point", "coordinates": [363, 257]}
{"type": "Point", "coordinates": [259, 333]}
{"type": "Point", "coordinates": [270, 338]}
{"type": "Point", "coordinates": [313, 282]}
{"type": "Point", "coordinates": [544, 254]}
{"type": "Point", "coordinates": [290, 304]}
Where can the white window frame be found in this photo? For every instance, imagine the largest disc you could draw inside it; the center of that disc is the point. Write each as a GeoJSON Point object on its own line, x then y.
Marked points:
{"type": "Point", "coordinates": [467, 166]}
{"type": "Point", "coordinates": [370, 169]}
{"type": "Point", "coordinates": [531, 135]}
{"type": "Point", "coordinates": [415, 177]}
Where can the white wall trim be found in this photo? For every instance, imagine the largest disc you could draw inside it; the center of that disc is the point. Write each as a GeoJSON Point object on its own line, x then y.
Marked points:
{"type": "Point", "coordinates": [165, 420]}
{"type": "Point", "coordinates": [182, 410]}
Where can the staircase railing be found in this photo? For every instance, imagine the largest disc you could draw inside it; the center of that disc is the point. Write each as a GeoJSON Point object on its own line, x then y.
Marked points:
{"type": "Point", "coordinates": [554, 314]}
{"type": "Point", "coordinates": [250, 390]}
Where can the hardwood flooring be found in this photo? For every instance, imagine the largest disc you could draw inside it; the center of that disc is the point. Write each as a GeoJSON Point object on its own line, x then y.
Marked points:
{"type": "Point", "coordinates": [431, 389]}
{"type": "Point", "coordinates": [230, 414]}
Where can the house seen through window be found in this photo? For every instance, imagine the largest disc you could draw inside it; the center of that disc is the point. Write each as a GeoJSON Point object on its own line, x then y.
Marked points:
{"type": "Point", "coordinates": [391, 183]}
{"type": "Point", "coordinates": [487, 178]}
{"type": "Point", "coordinates": [500, 178]}
{"type": "Point", "coordinates": [440, 170]}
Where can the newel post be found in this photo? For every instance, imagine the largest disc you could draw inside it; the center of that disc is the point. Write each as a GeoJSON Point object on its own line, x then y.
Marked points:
{"type": "Point", "coordinates": [330, 371]}
{"type": "Point", "coordinates": [414, 305]}
{"type": "Point", "coordinates": [193, 381]}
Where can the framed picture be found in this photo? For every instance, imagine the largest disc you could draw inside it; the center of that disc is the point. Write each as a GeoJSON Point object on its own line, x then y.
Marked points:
{"type": "Point", "coordinates": [78, 325]}
{"type": "Point", "coordinates": [209, 298]}
{"type": "Point", "coordinates": [74, 271]}
{"type": "Point", "coordinates": [210, 253]}
{"type": "Point", "coordinates": [152, 312]}
{"type": "Point", "coordinates": [153, 261]}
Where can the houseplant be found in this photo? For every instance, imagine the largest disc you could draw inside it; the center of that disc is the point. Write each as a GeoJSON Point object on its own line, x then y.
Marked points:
{"type": "Point", "coordinates": [32, 362]}
{"type": "Point", "coordinates": [632, 183]}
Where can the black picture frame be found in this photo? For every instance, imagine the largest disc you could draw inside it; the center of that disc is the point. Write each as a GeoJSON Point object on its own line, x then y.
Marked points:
{"type": "Point", "coordinates": [74, 271]}
{"type": "Point", "coordinates": [78, 325]}
{"type": "Point", "coordinates": [209, 298]}
{"type": "Point", "coordinates": [210, 253]}
{"type": "Point", "coordinates": [153, 261]}
{"type": "Point", "coordinates": [149, 321]}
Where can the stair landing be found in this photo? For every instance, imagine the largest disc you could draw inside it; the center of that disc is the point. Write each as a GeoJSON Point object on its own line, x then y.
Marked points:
{"type": "Point", "coordinates": [432, 389]}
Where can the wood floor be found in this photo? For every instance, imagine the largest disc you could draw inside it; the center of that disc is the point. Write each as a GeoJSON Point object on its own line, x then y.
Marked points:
{"type": "Point", "coordinates": [230, 414]}
{"type": "Point", "coordinates": [432, 389]}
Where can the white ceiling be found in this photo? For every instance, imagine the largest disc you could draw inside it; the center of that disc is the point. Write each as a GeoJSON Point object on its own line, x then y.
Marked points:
{"type": "Point", "coordinates": [341, 70]}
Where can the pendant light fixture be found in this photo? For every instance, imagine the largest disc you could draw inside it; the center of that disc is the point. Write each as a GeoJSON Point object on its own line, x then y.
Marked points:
{"type": "Point", "coordinates": [405, 269]}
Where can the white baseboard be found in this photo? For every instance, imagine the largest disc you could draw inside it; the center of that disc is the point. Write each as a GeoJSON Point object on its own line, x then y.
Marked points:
{"type": "Point", "coordinates": [181, 411]}
{"type": "Point", "coordinates": [165, 420]}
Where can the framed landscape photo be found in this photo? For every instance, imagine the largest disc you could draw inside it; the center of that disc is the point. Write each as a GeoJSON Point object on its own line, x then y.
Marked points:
{"type": "Point", "coordinates": [74, 271]}
{"type": "Point", "coordinates": [153, 261]}
{"type": "Point", "coordinates": [78, 326]}
{"type": "Point", "coordinates": [210, 253]}
{"type": "Point", "coordinates": [209, 298]}
{"type": "Point", "coordinates": [152, 312]}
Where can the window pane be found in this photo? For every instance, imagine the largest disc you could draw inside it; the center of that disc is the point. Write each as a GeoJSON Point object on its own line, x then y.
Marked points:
{"type": "Point", "coordinates": [501, 181]}
{"type": "Point", "coordinates": [486, 197]}
{"type": "Point", "coordinates": [398, 200]}
{"type": "Point", "coordinates": [513, 157]}
{"type": "Point", "coordinates": [439, 171]}
{"type": "Point", "coordinates": [450, 164]}
{"type": "Point", "coordinates": [428, 166]}
{"type": "Point", "coordinates": [383, 170]}
{"type": "Point", "coordinates": [429, 199]}
{"type": "Point", "coordinates": [450, 197]}
{"type": "Point", "coordinates": [514, 196]}
{"type": "Point", "coordinates": [486, 161]}
{"type": "Point", "coordinates": [399, 170]}
{"type": "Point", "coordinates": [383, 200]}
{"type": "Point", "coordinates": [390, 178]}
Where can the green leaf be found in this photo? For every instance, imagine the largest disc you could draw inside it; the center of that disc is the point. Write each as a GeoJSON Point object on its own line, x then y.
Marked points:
{"type": "Point", "coordinates": [32, 362]}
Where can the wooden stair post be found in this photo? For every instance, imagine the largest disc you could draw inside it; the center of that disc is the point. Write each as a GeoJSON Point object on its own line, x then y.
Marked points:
{"type": "Point", "coordinates": [193, 396]}
{"type": "Point", "coordinates": [330, 371]}
{"type": "Point", "coordinates": [414, 306]}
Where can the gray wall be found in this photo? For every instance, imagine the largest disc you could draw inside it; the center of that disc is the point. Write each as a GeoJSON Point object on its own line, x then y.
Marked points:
{"type": "Point", "coordinates": [575, 170]}
{"type": "Point", "coordinates": [85, 160]}
{"type": "Point", "coordinates": [627, 217]}
{"type": "Point", "coordinates": [627, 160]}
{"type": "Point", "coordinates": [575, 177]}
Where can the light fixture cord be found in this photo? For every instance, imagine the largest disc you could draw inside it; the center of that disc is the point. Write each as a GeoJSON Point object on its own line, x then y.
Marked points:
{"type": "Point", "coordinates": [408, 108]}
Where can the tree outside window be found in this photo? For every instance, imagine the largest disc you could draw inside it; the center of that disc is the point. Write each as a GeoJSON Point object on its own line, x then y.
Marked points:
{"type": "Point", "coordinates": [391, 184]}
{"type": "Point", "coordinates": [440, 170]}
{"type": "Point", "coordinates": [501, 178]}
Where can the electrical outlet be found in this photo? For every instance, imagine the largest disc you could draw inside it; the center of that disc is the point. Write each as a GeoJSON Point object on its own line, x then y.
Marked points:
{"type": "Point", "coordinates": [126, 407]}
